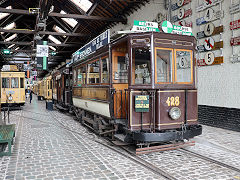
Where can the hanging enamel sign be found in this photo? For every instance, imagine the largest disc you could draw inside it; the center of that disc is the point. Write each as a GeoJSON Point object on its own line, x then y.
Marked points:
{"type": "Point", "coordinates": [235, 8]}
{"type": "Point", "coordinates": [207, 3]}
{"type": "Point", "coordinates": [209, 30]}
{"type": "Point", "coordinates": [235, 58]}
{"type": "Point", "coordinates": [235, 24]}
{"type": "Point", "coordinates": [210, 45]}
{"type": "Point", "coordinates": [179, 4]}
{"type": "Point", "coordinates": [182, 13]}
{"type": "Point", "coordinates": [209, 16]}
{"type": "Point", "coordinates": [235, 41]}
{"type": "Point", "coordinates": [184, 23]}
{"type": "Point", "coordinates": [210, 60]}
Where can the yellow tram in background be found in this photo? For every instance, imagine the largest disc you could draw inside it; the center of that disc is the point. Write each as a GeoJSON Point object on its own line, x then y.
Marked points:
{"type": "Point", "coordinates": [47, 88]}
{"type": "Point", "coordinates": [12, 86]}
{"type": "Point", "coordinates": [44, 88]}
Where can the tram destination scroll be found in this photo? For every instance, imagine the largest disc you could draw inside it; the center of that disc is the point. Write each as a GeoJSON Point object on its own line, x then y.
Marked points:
{"type": "Point", "coordinates": [142, 103]}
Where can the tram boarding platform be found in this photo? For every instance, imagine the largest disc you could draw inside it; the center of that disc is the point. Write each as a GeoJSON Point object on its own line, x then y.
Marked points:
{"type": "Point", "coordinates": [52, 145]}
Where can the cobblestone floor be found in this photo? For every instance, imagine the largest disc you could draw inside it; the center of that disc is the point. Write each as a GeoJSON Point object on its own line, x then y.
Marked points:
{"type": "Point", "coordinates": [45, 149]}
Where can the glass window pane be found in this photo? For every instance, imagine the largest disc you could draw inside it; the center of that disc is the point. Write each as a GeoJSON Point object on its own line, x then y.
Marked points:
{"type": "Point", "coordinates": [121, 72]}
{"type": "Point", "coordinates": [141, 66]}
{"type": "Point", "coordinates": [75, 77]}
{"type": "Point", "coordinates": [183, 60]}
{"type": "Point", "coordinates": [5, 82]}
{"type": "Point", "coordinates": [164, 65]}
{"type": "Point", "coordinates": [81, 76]}
{"type": "Point", "coordinates": [93, 73]}
{"type": "Point", "coordinates": [21, 82]}
{"type": "Point", "coordinates": [14, 82]}
{"type": "Point", "coordinates": [105, 71]}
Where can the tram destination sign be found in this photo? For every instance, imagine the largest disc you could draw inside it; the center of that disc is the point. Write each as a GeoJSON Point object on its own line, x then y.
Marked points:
{"type": "Point", "coordinates": [209, 30]}
{"type": "Point", "coordinates": [142, 103]}
{"type": "Point", "coordinates": [210, 15]}
{"type": "Point", "coordinates": [235, 8]}
{"type": "Point", "coordinates": [167, 27]}
{"type": "Point", "coordinates": [182, 14]}
{"type": "Point", "coordinates": [145, 26]}
{"type": "Point", "coordinates": [89, 48]}
{"type": "Point", "coordinates": [235, 24]}
{"type": "Point", "coordinates": [207, 3]}
{"type": "Point", "coordinates": [179, 4]}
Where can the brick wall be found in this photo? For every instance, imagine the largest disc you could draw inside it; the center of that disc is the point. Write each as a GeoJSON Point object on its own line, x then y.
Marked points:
{"type": "Point", "coordinates": [227, 118]}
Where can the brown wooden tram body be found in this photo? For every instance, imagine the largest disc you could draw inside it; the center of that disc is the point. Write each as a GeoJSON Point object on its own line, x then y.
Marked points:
{"type": "Point", "coordinates": [158, 66]}
{"type": "Point", "coordinates": [62, 87]}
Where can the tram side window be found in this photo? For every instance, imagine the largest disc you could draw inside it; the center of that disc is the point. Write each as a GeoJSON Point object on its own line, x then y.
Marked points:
{"type": "Point", "coordinates": [81, 76]}
{"type": "Point", "coordinates": [93, 73]}
{"type": "Point", "coordinates": [184, 59]}
{"type": "Point", "coordinates": [164, 65]}
{"type": "Point", "coordinates": [14, 83]}
{"type": "Point", "coordinates": [75, 77]}
{"type": "Point", "coordinates": [5, 82]}
{"type": "Point", "coordinates": [51, 84]}
{"type": "Point", "coordinates": [141, 66]}
{"type": "Point", "coordinates": [21, 83]}
{"type": "Point", "coordinates": [105, 70]}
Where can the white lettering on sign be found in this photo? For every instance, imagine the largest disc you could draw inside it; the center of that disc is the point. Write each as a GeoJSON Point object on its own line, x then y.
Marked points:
{"type": "Point", "coordinates": [42, 50]}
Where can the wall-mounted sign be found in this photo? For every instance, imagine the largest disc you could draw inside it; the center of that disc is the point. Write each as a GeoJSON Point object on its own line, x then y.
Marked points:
{"type": "Point", "coordinates": [209, 59]}
{"type": "Point", "coordinates": [182, 14]}
{"type": "Point", "coordinates": [145, 26]}
{"type": "Point", "coordinates": [160, 18]}
{"type": "Point", "coordinates": [235, 58]}
{"type": "Point", "coordinates": [179, 4]}
{"type": "Point", "coordinates": [235, 24]}
{"type": "Point", "coordinates": [207, 3]}
{"type": "Point", "coordinates": [210, 45]}
{"type": "Point", "coordinates": [235, 8]}
{"type": "Point", "coordinates": [98, 42]}
{"type": "Point", "coordinates": [142, 103]}
{"type": "Point", "coordinates": [209, 30]}
{"type": "Point", "coordinates": [42, 55]}
{"type": "Point", "coordinates": [209, 16]}
{"type": "Point", "coordinates": [167, 27]}
{"type": "Point", "coordinates": [235, 41]}
{"type": "Point", "coordinates": [184, 23]}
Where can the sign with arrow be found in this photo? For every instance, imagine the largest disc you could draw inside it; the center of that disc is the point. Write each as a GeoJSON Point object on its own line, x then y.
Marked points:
{"type": "Point", "coordinates": [179, 4]}
{"type": "Point", "coordinates": [207, 3]}
{"type": "Point", "coordinates": [209, 16]}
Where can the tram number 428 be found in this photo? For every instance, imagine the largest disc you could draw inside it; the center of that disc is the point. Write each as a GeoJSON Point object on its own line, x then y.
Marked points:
{"type": "Point", "coordinates": [173, 101]}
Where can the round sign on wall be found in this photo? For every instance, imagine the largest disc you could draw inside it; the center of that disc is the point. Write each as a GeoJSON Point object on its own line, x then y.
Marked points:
{"type": "Point", "coordinates": [209, 58]}
{"type": "Point", "coordinates": [209, 43]}
{"type": "Point", "coordinates": [209, 14]}
{"type": "Point", "coordinates": [209, 29]}
{"type": "Point", "coordinates": [180, 13]}
{"type": "Point", "coordinates": [167, 27]}
{"type": "Point", "coordinates": [180, 3]}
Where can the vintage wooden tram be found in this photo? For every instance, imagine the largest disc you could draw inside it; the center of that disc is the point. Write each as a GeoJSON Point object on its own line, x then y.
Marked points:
{"type": "Point", "coordinates": [140, 87]}
{"type": "Point", "coordinates": [12, 86]}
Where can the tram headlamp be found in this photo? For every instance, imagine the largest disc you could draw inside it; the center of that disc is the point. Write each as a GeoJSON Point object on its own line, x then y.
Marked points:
{"type": "Point", "coordinates": [10, 98]}
{"type": "Point", "coordinates": [175, 113]}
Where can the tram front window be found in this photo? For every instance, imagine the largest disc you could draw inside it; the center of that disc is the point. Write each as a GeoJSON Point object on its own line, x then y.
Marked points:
{"type": "Point", "coordinates": [164, 65]}
{"type": "Point", "coordinates": [141, 66]}
{"type": "Point", "coordinates": [184, 67]}
{"type": "Point", "coordinates": [5, 83]}
{"type": "Point", "coordinates": [14, 82]}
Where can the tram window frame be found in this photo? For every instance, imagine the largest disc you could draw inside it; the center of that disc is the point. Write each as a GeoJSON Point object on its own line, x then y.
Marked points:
{"type": "Point", "coordinates": [191, 66]}
{"type": "Point", "coordinates": [16, 78]}
{"type": "Point", "coordinates": [78, 71]}
{"type": "Point", "coordinates": [21, 82]}
{"type": "Point", "coordinates": [4, 82]}
{"type": "Point", "coordinates": [147, 66]}
{"type": "Point", "coordinates": [51, 84]}
{"type": "Point", "coordinates": [99, 72]}
{"type": "Point", "coordinates": [171, 70]}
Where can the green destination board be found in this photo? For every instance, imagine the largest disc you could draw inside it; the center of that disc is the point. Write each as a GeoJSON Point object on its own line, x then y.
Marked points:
{"type": "Point", "coordinates": [142, 103]}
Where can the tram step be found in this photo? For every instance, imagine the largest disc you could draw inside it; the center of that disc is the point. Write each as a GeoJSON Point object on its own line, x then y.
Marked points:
{"type": "Point", "coordinates": [123, 138]}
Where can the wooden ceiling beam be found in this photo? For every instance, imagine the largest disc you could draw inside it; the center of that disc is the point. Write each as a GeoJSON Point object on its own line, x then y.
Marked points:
{"type": "Point", "coordinates": [75, 16]}
{"type": "Point", "coordinates": [41, 32]}
{"type": "Point", "coordinates": [30, 43]}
